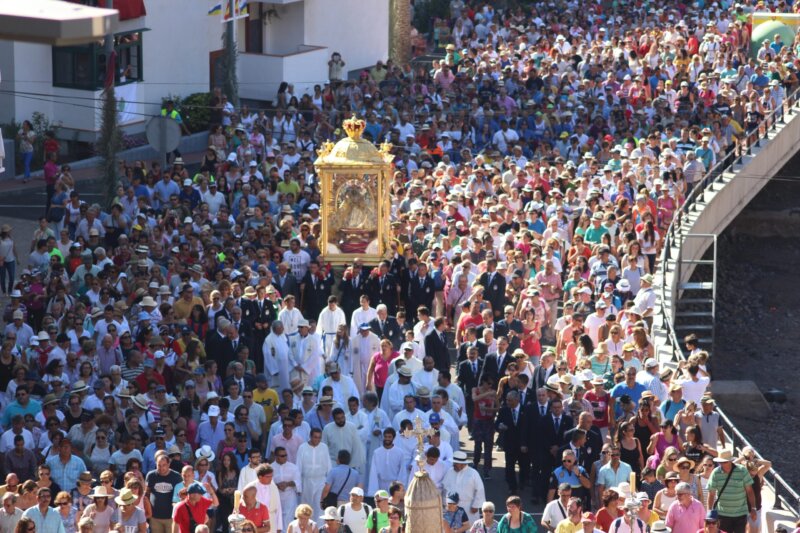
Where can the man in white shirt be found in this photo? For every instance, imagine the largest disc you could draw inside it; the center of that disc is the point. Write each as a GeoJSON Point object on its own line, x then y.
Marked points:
{"type": "Point", "coordinates": [434, 467]}
{"type": "Point", "coordinates": [314, 462]}
{"type": "Point", "coordinates": [467, 483]}
{"type": "Point", "coordinates": [267, 493]}
{"type": "Point", "coordinates": [343, 386]}
{"type": "Point", "coordinates": [329, 321]}
{"type": "Point", "coordinates": [409, 412]}
{"type": "Point", "coordinates": [247, 474]}
{"type": "Point", "coordinates": [388, 463]}
{"type": "Point", "coordinates": [289, 482]}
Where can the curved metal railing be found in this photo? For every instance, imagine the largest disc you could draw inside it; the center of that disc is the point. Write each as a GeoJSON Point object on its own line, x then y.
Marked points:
{"type": "Point", "coordinates": [786, 498]}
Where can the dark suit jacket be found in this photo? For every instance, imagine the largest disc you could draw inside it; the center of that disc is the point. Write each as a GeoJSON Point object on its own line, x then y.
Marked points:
{"type": "Point", "coordinates": [540, 376]}
{"type": "Point", "coordinates": [516, 434]}
{"type": "Point", "coordinates": [548, 436]}
{"type": "Point", "coordinates": [249, 383]}
{"type": "Point", "coordinates": [491, 368]}
{"type": "Point", "coordinates": [391, 330]}
{"type": "Point", "coordinates": [494, 292]}
{"type": "Point", "coordinates": [351, 291]}
{"type": "Point", "coordinates": [420, 293]}
{"type": "Point", "coordinates": [383, 292]}
{"type": "Point", "coordinates": [288, 286]}
{"type": "Point", "coordinates": [435, 348]}
{"type": "Point", "coordinates": [466, 378]}
{"type": "Point", "coordinates": [590, 452]}
{"type": "Point", "coordinates": [502, 328]}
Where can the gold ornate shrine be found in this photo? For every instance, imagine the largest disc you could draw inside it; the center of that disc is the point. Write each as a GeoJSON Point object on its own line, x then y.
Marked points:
{"type": "Point", "coordinates": [354, 178]}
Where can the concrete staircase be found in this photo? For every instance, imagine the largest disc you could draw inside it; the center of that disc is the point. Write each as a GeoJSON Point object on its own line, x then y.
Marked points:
{"type": "Point", "coordinates": [681, 287]}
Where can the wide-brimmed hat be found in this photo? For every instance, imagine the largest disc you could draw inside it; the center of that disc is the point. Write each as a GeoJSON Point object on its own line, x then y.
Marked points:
{"type": "Point", "coordinates": [148, 301]}
{"type": "Point", "coordinates": [683, 460]}
{"type": "Point", "coordinates": [79, 386]}
{"type": "Point", "coordinates": [330, 513]}
{"type": "Point", "coordinates": [659, 526]}
{"type": "Point", "coordinates": [140, 400]}
{"type": "Point", "coordinates": [126, 497]}
{"type": "Point", "coordinates": [460, 458]}
{"type": "Point", "coordinates": [85, 477]}
{"type": "Point", "coordinates": [100, 492]}
{"type": "Point", "coordinates": [404, 371]}
{"type": "Point", "coordinates": [205, 452]}
{"type": "Point", "coordinates": [724, 455]}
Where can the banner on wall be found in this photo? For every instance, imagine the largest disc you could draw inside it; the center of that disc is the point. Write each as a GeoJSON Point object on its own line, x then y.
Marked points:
{"type": "Point", "coordinates": [128, 103]}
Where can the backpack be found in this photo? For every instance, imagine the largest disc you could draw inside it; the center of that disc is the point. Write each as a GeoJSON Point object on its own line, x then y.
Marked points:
{"type": "Point", "coordinates": [367, 511]}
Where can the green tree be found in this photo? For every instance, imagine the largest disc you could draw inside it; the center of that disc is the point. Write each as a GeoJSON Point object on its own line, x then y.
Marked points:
{"type": "Point", "coordinates": [108, 145]}
{"type": "Point", "coordinates": [230, 80]}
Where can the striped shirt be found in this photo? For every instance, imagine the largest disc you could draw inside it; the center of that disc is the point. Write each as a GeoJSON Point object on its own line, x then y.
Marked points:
{"type": "Point", "coordinates": [733, 500]}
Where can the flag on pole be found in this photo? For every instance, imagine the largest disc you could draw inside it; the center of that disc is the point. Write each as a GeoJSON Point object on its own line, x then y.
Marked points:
{"type": "Point", "coordinates": [239, 7]}
{"type": "Point", "coordinates": [216, 10]}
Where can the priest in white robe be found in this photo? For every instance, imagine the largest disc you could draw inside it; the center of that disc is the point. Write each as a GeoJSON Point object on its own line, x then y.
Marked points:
{"type": "Point", "coordinates": [433, 466]}
{"type": "Point", "coordinates": [393, 395]}
{"type": "Point", "coordinates": [409, 412]}
{"type": "Point", "coordinates": [362, 315]}
{"type": "Point", "coordinates": [269, 495]}
{"type": "Point", "coordinates": [365, 345]}
{"type": "Point", "coordinates": [314, 462]}
{"type": "Point", "coordinates": [372, 432]}
{"type": "Point", "coordinates": [328, 322]}
{"type": "Point", "coordinates": [388, 464]}
{"type": "Point", "coordinates": [289, 482]}
{"type": "Point", "coordinates": [307, 352]}
{"type": "Point", "coordinates": [428, 377]}
{"type": "Point", "coordinates": [467, 483]}
{"type": "Point", "coordinates": [278, 358]}
{"type": "Point", "coordinates": [290, 316]}
{"type": "Point", "coordinates": [342, 435]}
{"type": "Point", "coordinates": [344, 387]}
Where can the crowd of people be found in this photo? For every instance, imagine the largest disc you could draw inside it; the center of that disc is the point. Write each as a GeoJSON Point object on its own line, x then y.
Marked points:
{"type": "Point", "coordinates": [191, 343]}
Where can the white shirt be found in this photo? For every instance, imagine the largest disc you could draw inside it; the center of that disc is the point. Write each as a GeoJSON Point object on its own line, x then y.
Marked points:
{"type": "Point", "coordinates": [693, 390]}
{"type": "Point", "coordinates": [469, 486]}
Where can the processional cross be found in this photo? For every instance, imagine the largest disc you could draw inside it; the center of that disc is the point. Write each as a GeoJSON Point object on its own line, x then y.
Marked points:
{"type": "Point", "coordinates": [420, 433]}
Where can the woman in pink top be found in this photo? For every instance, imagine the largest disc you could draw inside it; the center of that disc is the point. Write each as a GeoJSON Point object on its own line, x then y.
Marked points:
{"type": "Point", "coordinates": [662, 440]}
{"type": "Point", "coordinates": [378, 371]}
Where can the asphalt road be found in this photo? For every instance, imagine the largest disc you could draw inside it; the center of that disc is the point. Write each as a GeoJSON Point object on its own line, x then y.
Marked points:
{"type": "Point", "coordinates": [29, 204]}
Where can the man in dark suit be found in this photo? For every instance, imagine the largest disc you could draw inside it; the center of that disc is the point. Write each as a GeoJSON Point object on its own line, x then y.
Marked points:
{"type": "Point", "coordinates": [383, 288]}
{"type": "Point", "coordinates": [285, 282]}
{"type": "Point", "coordinates": [245, 381]}
{"type": "Point", "coordinates": [510, 327]}
{"type": "Point", "coordinates": [513, 424]}
{"type": "Point", "coordinates": [421, 290]}
{"type": "Point", "coordinates": [386, 327]}
{"type": "Point", "coordinates": [436, 346]}
{"type": "Point", "coordinates": [538, 410]}
{"type": "Point", "coordinates": [470, 340]}
{"type": "Point", "coordinates": [352, 286]}
{"type": "Point", "coordinates": [551, 436]}
{"type": "Point", "coordinates": [576, 442]}
{"type": "Point", "coordinates": [315, 289]}
{"type": "Point", "coordinates": [468, 372]}
{"type": "Point", "coordinates": [545, 369]}
{"type": "Point", "coordinates": [495, 363]}
{"type": "Point", "coordinates": [494, 287]}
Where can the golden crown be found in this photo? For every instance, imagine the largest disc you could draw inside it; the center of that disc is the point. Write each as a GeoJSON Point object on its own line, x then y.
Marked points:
{"type": "Point", "coordinates": [354, 127]}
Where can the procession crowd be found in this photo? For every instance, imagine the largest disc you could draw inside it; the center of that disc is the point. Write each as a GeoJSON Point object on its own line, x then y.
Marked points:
{"type": "Point", "coordinates": [192, 343]}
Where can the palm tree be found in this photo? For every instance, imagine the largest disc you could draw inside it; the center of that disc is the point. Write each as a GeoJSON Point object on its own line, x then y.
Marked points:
{"type": "Point", "coordinates": [400, 31]}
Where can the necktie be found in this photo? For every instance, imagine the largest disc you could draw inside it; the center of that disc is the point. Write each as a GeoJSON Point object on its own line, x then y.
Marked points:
{"type": "Point", "coordinates": [557, 423]}
{"type": "Point", "coordinates": [541, 409]}
{"type": "Point", "coordinates": [474, 367]}
{"type": "Point", "coordinates": [235, 343]}
{"type": "Point", "coordinates": [441, 336]}
{"type": "Point", "coordinates": [241, 384]}
{"type": "Point", "coordinates": [500, 362]}
{"type": "Point", "coordinates": [381, 323]}
{"type": "Point", "coordinates": [421, 282]}
{"type": "Point", "coordinates": [514, 412]}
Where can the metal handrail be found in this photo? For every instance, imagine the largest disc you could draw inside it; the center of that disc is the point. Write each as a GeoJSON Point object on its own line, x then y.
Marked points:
{"type": "Point", "coordinates": [785, 496]}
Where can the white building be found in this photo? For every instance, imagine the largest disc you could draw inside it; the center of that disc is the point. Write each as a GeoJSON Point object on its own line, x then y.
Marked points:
{"type": "Point", "coordinates": [175, 48]}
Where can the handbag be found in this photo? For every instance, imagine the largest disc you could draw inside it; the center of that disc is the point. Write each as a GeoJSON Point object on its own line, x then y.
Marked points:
{"type": "Point", "coordinates": [333, 497]}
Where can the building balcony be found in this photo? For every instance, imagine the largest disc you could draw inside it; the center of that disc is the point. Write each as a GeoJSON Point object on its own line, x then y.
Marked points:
{"type": "Point", "coordinates": [260, 75]}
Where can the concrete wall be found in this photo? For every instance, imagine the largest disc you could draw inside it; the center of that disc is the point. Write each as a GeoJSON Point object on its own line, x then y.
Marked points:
{"type": "Point", "coordinates": [357, 29]}
{"type": "Point", "coordinates": [285, 34]}
{"type": "Point", "coordinates": [176, 62]}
